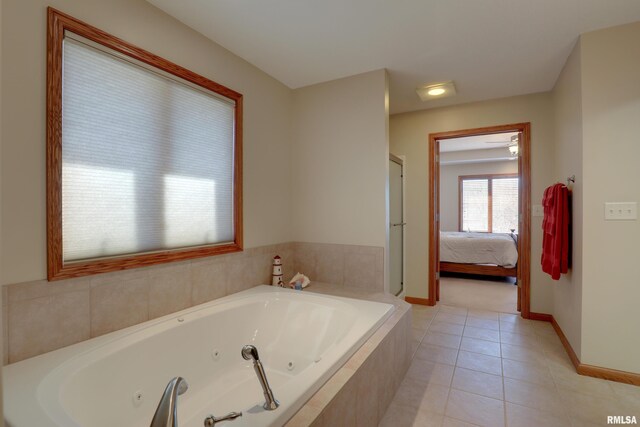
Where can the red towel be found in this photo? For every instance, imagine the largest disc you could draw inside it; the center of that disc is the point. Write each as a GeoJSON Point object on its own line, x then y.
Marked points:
{"type": "Point", "coordinates": [555, 227]}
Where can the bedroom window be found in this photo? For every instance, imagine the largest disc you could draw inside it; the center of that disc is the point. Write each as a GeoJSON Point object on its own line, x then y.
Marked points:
{"type": "Point", "coordinates": [143, 157]}
{"type": "Point", "coordinates": [488, 203]}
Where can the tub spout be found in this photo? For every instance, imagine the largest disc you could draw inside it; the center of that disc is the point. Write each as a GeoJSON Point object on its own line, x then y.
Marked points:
{"type": "Point", "coordinates": [167, 412]}
{"type": "Point", "coordinates": [249, 352]}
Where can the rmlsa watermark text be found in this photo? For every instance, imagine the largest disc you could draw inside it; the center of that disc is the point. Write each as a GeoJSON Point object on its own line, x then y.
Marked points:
{"type": "Point", "coordinates": [621, 419]}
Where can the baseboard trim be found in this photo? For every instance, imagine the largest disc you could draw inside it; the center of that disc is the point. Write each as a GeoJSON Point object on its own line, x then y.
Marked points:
{"type": "Point", "coordinates": [582, 368]}
{"type": "Point", "coordinates": [566, 344]}
{"type": "Point", "coordinates": [544, 317]}
{"type": "Point", "coordinates": [419, 301]}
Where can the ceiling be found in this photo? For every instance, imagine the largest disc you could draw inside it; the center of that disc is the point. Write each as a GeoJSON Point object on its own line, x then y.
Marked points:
{"type": "Point", "coordinates": [479, 142]}
{"type": "Point", "coordinates": [490, 48]}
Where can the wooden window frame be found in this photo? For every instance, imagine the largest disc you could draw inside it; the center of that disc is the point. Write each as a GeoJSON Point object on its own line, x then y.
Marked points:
{"type": "Point", "coordinates": [57, 24]}
{"type": "Point", "coordinates": [489, 177]}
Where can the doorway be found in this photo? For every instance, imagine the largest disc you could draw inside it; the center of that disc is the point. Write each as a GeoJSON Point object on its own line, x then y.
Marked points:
{"type": "Point", "coordinates": [520, 147]}
{"type": "Point", "coordinates": [396, 225]}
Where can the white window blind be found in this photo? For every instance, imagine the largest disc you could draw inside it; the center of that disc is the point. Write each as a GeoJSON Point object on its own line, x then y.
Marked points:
{"type": "Point", "coordinates": [147, 160]}
{"type": "Point", "coordinates": [504, 198]}
{"type": "Point", "coordinates": [475, 205]}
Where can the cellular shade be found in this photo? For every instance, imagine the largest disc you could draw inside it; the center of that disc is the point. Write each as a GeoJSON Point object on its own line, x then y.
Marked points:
{"type": "Point", "coordinates": [147, 160]}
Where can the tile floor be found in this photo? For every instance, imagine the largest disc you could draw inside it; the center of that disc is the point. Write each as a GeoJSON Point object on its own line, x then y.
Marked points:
{"type": "Point", "coordinates": [484, 368]}
{"type": "Point", "coordinates": [496, 294]}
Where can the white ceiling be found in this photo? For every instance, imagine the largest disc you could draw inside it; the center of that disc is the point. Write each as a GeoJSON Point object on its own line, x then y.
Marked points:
{"type": "Point", "coordinates": [479, 142]}
{"type": "Point", "coordinates": [490, 48]}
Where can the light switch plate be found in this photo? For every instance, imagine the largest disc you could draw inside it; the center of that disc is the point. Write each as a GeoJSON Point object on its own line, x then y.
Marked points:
{"type": "Point", "coordinates": [538, 210]}
{"type": "Point", "coordinates": [620, 211]}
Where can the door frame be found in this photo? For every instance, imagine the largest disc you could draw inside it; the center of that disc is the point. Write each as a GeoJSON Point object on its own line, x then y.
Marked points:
{"type": "Point", "coordinates": [524, 229]}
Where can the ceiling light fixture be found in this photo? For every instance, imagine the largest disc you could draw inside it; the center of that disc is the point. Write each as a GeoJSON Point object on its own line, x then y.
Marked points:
{"type": "Point", "coordinates": [436, 90]}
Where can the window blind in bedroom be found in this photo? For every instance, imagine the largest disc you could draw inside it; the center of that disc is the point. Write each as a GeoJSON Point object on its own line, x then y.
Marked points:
{"type": "Point", "coordinates": [475, 205]}
{"type": "Point", "coordinates": [504, 200]}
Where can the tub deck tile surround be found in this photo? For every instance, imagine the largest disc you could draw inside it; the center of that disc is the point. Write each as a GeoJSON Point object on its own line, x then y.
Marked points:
{"type": "Point", "coordinates": [362, 389]}
{"type": "Point", "coordinates": [96, 305]}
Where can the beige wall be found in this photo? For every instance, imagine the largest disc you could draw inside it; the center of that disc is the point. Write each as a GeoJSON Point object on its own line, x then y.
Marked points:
{"type": "Point", "coordinates": [340, 161]}
{"type": "Point", "coordinates": [567, 97]}
{"type": "Point", "coordinates": [611, 129]}
{"type": "Point", "coordinates": [449, 207]}
{"type": "Point", "coordinates": [409, 136]}
{"type": "Point", "coordinates": [267, 115]}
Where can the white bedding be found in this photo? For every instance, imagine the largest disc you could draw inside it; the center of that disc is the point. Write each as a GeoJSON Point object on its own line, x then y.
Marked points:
{"type": "Point", "coordinates": [478, 248]}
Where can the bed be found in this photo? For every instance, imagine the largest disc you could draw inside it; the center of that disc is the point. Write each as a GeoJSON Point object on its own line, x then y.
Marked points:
{"type": "Point", "coordinates": [492, 254]}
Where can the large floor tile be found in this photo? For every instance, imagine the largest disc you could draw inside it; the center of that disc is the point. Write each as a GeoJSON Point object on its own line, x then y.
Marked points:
{"type": "Point", "coordinates": [530, 372]}
{"type": "Point", "coordinates": [481, 333]}
{"type": "Point", "coordinates": [478, 382]}
{"type": "Point", "coordinates": [429, 372]}
{"type": "Point", "coordinates": [443, 340]}
{"type": "Point", "coordinates": [475, 409]}
{"type": "Point", "coordinates": [475, 345]}
{"type": "Point", "coordinates": [452, 422]}
{"type": "Point", "coordinates": [437, 354]}
{"type": "Point", "coordinates": [483, 314]}
{"type": "Point", "coordinates": [594, 409]}
{"type": "Point", "coordinates": [426, 396]}
{"type": "Point", "coordinates": [483, 323]}
{"type": "Point", "coordinates": [533, 396]}
{"type": "Point", "coordinates": [521, 416]}
{"type": "Point", "coordinates": [479, 362]}
{"type": "Point", "coordinates": [523, 354]}
{"type": "Point", "coordinates": [519, 339]}
{"type": "Point", "coordinates": [446, 328]}
{"type": "Point", "coordinates": [450, 317]}
{"type": "Point", "coordinates": [400, 416]}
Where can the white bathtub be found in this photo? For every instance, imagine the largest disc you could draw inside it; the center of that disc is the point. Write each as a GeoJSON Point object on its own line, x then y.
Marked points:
{"type": "Point", "coordinates": [302, 337]}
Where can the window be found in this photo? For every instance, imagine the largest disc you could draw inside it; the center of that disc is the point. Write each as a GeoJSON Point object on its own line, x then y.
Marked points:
{"type": "Point", "coordinates": [143, 157]}
{"type": "Point", "coordinates": [488, 203]}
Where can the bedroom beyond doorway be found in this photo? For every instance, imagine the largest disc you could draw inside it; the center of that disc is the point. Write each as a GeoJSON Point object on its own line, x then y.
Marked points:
{"type": "Point", "coordinates": [479, 237]}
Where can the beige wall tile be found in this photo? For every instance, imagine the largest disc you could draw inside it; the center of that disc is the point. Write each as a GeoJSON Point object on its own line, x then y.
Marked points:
{"type": "Point", "coordinates": [119, 304]}
{"type": "Point", "coordinates": [367, 381]}
{"type": "Point", "coordinates": [169, 290]}
{"type": "Point", "coordinates": [360, 270]}
{"type": "Point", "coordinates": [41, 288]}
{"type": "Point", "coordinates": [342, 409]}
{"type": "Point", "coordinates": [39, 325]}
{"type": "Point", "coordinates": [209, 281]}
{"type": "Point", "coordinates": [383, 362]}
{"type": "Point", "coordinates": [329, 264]}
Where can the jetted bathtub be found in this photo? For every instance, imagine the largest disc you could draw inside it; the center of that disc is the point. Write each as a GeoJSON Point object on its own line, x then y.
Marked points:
{"type": "Point", "coordinates": [117, 379]}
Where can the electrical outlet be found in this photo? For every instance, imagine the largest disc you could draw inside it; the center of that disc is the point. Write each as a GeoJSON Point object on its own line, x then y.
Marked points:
{"type": "Point", "coordinates": [620, 211]}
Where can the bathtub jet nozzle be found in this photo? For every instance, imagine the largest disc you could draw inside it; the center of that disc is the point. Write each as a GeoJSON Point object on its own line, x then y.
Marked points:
{"type": "Point", "coordinates": [249, 352]}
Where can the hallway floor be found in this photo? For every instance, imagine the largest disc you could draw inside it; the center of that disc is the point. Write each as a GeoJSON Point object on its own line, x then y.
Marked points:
{"type": "Point", "coordinates": [484, 368]}
{"type": "Point", "coordinates": [483, 293]}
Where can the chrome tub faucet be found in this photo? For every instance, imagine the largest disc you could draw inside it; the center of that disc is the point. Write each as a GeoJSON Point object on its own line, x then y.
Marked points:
{"type": "Point", "coordinates": [167, 412]}
{"type": "Point", "coordinates": [249, 352]}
